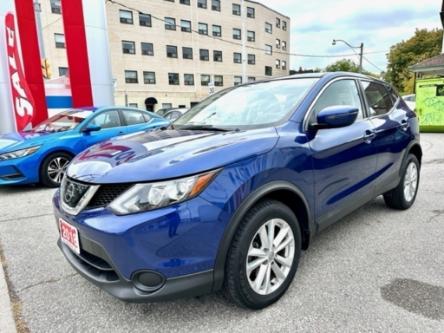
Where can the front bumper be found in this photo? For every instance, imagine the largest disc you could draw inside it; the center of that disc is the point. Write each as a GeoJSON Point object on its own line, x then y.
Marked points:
{"type": "Point", "coordinates": [20, 171]}
{"type": "Point", "coordinates": [184, 286]}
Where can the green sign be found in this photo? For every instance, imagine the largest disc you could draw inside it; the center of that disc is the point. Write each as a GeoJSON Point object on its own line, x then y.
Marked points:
{"type": "Point", "coordinates": [430, 104]}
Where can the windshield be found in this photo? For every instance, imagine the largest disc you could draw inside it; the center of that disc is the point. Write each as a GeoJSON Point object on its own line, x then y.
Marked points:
{"type": "Point", "coordinates": [254, 105]}
{"type": "Point", "coordinates": [63, 121]}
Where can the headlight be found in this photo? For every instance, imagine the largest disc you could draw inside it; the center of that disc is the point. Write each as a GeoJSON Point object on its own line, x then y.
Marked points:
{"type": "Point", "coordinates": [144, 197]}
{"type": "Point", "coordinates": [19, 153]}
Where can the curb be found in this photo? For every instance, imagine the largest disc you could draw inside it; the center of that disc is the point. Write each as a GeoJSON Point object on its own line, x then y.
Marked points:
{"type": "Point", "coordinates": [7, 323]}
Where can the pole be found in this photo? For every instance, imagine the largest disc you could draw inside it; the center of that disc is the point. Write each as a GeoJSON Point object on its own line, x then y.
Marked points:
{"type": "Point", "coordinates": [361, 56]}
{"type": "Point", "coordinates": [244, 43]}
{"type": "Point", "coordinates": [442, 21]}
{"type": "Point", "coordinates": [38, 11]}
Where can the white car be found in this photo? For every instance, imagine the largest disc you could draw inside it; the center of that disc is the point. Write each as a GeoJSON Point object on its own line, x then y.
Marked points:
{"type": "Point", "coordinates": [410, 101]}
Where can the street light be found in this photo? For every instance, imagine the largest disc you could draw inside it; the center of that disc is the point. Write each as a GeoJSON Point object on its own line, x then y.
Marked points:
{"type": "Point", "coordinates": [361, 50]}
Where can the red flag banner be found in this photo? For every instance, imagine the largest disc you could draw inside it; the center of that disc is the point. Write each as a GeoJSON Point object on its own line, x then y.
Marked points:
{"type": "Point", "coordinates": [21, 94]}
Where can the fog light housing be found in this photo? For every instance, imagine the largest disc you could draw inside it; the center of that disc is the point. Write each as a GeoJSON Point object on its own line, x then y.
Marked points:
{"type": "Point", "coordinates": [148, 281]}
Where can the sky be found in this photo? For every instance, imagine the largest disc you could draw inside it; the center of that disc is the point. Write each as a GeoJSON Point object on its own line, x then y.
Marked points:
{"type": "Point", "coordinates": [379, 24]}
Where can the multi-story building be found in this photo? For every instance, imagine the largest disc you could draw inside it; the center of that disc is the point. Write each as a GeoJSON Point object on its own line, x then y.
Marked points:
{"type": "Point", "coordinates": [171, 53]}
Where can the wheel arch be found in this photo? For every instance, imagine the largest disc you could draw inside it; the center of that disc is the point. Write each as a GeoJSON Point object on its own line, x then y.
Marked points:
{"type": "Point", "coordinates": [416, 150]}
{"type": "Point", "coordinates": [282, 191]}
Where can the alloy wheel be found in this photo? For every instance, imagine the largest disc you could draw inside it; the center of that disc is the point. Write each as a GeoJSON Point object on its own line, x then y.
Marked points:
{"type": "Point", "coordinates": [410, 182]}
{"type": "Point", "coordinates": [56, 169]}
{"type": "Point", "coordinates": [270, 256]}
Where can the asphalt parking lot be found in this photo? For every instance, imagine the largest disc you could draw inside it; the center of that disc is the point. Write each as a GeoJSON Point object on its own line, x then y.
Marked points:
{"type": "Point", "coordinates": [376, 271]}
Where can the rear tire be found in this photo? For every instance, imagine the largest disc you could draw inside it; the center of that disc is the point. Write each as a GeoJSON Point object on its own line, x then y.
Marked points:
{"type": "Point", "coordinates": [53, 169]}
{"type": "Point", "coordinates": [259, 271]}
{"type": "Point", "coordinates": [404, 195]}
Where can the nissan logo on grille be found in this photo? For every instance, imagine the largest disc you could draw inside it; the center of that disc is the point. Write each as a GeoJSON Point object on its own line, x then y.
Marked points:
{"type": "Point", "coordinates": [73, 192]}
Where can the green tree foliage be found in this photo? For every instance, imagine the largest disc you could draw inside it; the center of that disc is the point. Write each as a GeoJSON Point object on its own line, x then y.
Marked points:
{"type": "Point", "coordinates": [423, 45]}
{"type": "Point", "coordinates": [344, 65]}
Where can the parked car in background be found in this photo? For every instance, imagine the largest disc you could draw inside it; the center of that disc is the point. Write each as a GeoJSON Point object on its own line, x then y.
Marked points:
{"type": "Point", "coordinates": [410, 101]}
{"type": "Point", "coordinates": [230, 194]}
{"type": "Point", "coordinates": [43, 153]}
{"type": "Point", "coordinates": [162, 112]}
{"type": "Point", "coordinates": [175, 114]}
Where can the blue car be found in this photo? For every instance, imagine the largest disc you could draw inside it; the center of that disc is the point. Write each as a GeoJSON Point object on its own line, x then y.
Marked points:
{"type": "Point", "coordinates": [43, 153]}
{"type": "Point", "coordinates": [230, 194]}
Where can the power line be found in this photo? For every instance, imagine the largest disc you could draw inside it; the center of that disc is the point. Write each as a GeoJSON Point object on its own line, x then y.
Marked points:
{"type": "Point", "coordinates": [114, 2]}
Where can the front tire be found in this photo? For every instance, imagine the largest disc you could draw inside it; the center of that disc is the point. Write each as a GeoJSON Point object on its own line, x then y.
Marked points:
{"type": "Point", "coordinates": [53, 169]}
{"type": "Point", "coordinates": [404, 195]}
{"type": "Point", "coordinates": [264, 256]}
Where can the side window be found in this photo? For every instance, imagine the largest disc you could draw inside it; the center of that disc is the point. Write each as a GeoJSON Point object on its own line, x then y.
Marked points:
{"type": "Point", "coordinates": [344, 92]}
{"type": "Point", "coordinates": [379, 99]}
{"type": "Point", "coordinates": [133, 117]}
{"type": "Point", "coordinates": [108, 119]}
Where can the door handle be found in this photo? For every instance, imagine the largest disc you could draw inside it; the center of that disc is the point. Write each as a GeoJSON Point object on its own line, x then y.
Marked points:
{"type": "Point", "coordinates": [405, 125]}
{"type": "Point", "coordinates": [369, 136]}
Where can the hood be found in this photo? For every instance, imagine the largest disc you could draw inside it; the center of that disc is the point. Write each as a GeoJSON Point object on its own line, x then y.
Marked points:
{"type": "Point", "coordinates": [20, 140]}
{"type": "Point", "coordinates": [161, 155]}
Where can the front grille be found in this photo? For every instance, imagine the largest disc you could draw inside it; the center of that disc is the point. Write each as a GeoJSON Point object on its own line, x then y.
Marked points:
{"type": "Point", "coordinates": [72, 192]}
{"type": "Point", "coordinates": [106, 194]}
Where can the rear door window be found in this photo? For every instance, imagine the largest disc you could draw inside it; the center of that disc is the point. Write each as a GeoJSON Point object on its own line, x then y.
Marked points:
{"type": "Point", "coordinates": [379, 98]}
{"type": "Point", "coordinates": [133, 117]}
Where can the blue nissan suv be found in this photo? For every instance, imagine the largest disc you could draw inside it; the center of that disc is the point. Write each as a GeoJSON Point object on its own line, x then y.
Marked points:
{"type": "Point", "coordinates": [228, 196]}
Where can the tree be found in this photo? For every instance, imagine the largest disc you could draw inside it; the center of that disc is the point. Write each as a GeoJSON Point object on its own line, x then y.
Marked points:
{"type": "Point", "coordinates": [423, 45]}
{"type": "Point", "coordinates": [344, 65]}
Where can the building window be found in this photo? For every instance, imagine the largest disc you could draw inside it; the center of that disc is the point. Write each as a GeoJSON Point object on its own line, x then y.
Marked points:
{"type": "Point", "coordinates": [173, 79]}
{"type": "Point", "coordinates": [126, 16]}
{"type": "Point", "coordinates": [268, 28]}
{"type": "Point", "coordinates": [204, 55]}
{"type": "Point", "coordinates": [217, 56]}
{"type": "Point", "coordinates": [237, 80]}
{"type": "Point", "coordinates": [133, 105]}
{"type": "Point", "coordinates": [250, 12]}
{"type": "Point", "coordinates": [128, 47]}
{"type": "Point", "coordinates": [187, 52]}
{"type": "Point", "coordinates": [205, 80]}
{"type": "Point", "coordinates": [215, 5]}
{"type": "Point", "coordinates": [251, 79]}
{"type": "Point", "coordinates": [268, 49]}
{"type": "Point", "coordinates": [147, 49]}
{"type": "Point", "coordinates": [185, 26]}
{"type": "Point", "coordinates": [188, 79]}
{"type": "Point", "coordinates": [131, 77]}
{"type": "Point", "coordinates": [284, 45]}
{"type": "Point", "coordinates": [278, 43]}
{"type": "Point", "coordinates": [217, 31]}
{"type": "Point", "coordinates": [59, 41]}
{"type": "Point", "coordinates": [284, 25]}
{"type": "Point", "coordinates": [268, 70]}
{"type": "Point", "coordinates": [251, 59]}
{"type": "Point", "coordinates": [167, 105]}
{"type": "Point", "coordinates": [185, 2]}
{"type": "Point", "coordinates": [218, 80]}
{"type": "Point", "coordinates": [251, 36]}
{"type": "Point", "coordinates": [278, 64]}
{"type": "Point", "coordinates": [170, 23]}
{"type": "Point", "coordinates": [63, 71]}
{"type": "Point", "coordinates": [236, 9]}
{"type": "Point", "coordinates": [278, 22]}
{"type": "Point", "coordinates": [144, 20]}
{"type": "Point", "coordinates": [55, 7]}
{"type": "Point", "coordinates": [237, 58]}
{"type": "Point", "coordinates": [149, 77]}
{"type": "Point", "coordinates": [203, 28]}
{"type": "Point", "coordinates": [284, 65]}
{"type": "Point", "coordinates": [237, 34]}
{"type": "Point", "coordinates": [171, 51]}
{"type": "Point", "coordinates": [202, 4]}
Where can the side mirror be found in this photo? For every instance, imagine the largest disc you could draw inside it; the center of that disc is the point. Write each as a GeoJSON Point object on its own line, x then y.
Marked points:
{"type": "Point", "coordinates": [336, 116]}
{"type": "Point", "coordinates": [91, 128]}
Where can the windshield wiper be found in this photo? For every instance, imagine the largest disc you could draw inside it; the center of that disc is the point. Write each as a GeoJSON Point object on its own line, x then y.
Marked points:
{"type": "Point", "coordinates": [203, 128]}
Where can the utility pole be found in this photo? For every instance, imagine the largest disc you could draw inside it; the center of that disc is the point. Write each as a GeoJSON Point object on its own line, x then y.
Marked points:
{"type": "Point", "coordinates": [244, 43]}
{"type": "Point", "coordinates": [38, 11]}
{"type": "Point", "coordinates": [360, 47]}
{"type": "Point", "coordinates": [442, 21]}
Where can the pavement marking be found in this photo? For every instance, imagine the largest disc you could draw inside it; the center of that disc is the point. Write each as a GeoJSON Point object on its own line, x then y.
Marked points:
{"type": "Point", "coordinates": [7, 323]}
